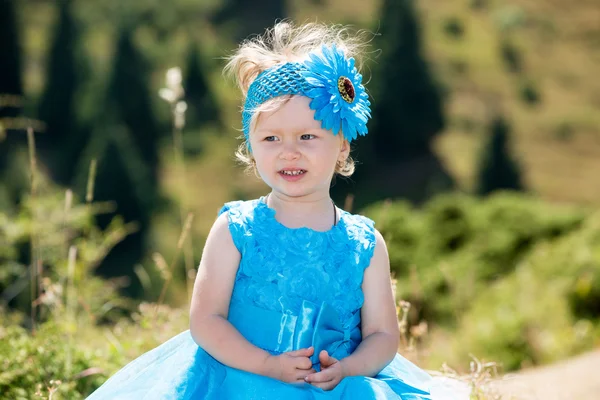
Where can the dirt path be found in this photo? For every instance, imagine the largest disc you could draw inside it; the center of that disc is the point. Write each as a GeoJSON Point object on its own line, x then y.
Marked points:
{"type": "Point", "coordinates": [574, 379]}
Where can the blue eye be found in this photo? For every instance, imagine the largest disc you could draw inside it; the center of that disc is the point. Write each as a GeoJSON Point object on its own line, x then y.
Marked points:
{"type": "Point", "coordinates": [307, 136]}
{"type": "Point", "coordinates": [270, 138]}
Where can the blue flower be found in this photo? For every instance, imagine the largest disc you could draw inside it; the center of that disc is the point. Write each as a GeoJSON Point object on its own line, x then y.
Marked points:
{"type": "Point", "coordinates": [338, 96]}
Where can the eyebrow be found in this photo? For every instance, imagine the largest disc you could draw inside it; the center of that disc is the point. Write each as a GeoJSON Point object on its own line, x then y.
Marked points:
{"type": "Point", "coordinates": [281, 131]}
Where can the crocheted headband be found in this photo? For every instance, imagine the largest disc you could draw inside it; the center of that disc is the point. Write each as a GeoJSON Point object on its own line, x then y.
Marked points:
{"type": "Point", "coordinates": [329, 79]}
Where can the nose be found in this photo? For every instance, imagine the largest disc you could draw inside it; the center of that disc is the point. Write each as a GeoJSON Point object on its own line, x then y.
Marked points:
{"type": "Point", "coordinates": [289, 151]}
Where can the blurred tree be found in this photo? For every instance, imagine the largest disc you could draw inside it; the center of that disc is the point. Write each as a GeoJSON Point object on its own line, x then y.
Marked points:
{"type": "Point", "coordinates": [11, 101]}
{"type": "Point", "coordinates": [512, 57]}
{"type": "Point", "coordinates": [61, 143]}
{"type": "Point", "coordinates": [201, 103]}
{"type": "Point", "coordinates": [498, 170]}
{"type": "Point", "coordinates": [129, 98]}
{"type": "Point", "coordinates": [454, 27]}
{"type": "Point", "coordinates": [407, 111]}
{"type": "Point", "coordinates": [125, 141]}
{"type": "Point", "coordinates": [529, 92]}
{"type": "Point", "coordinates": [123, 179]}
{"type": "Point", "coordinates": [246, 17]}
{"type": "Point", "coordinates": [10, 76]}
{"type": "Point", "coordinates": [407, 114]}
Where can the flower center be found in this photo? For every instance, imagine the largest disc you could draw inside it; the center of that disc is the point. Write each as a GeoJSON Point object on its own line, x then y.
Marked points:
{"type": "Point", "coordinates": [346, 89]}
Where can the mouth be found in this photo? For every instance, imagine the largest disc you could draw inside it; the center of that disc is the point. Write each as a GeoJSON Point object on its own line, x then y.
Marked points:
{"type": "Point", "coordinates": [292, 172]}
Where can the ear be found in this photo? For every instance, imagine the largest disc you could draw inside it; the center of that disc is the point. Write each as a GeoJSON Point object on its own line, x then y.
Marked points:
{"type": "Point", "coordinates": [344, 150]}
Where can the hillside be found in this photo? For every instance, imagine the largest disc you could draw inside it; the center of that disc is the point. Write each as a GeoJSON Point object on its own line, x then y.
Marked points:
{"type": "Point", "coordinates": [557, 48]}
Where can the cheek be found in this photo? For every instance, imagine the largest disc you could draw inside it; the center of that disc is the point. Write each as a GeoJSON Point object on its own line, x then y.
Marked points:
{"type": "Point", "coordinates": [331, 151]}
{"type": "Point", "coordinates": [263, 158]}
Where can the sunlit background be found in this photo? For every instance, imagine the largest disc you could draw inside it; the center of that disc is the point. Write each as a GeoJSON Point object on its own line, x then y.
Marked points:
{"type": "Point", "coordinates": [481, 170]}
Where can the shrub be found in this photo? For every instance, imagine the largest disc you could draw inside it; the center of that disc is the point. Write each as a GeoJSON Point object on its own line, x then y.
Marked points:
{"type": "Point", "coordinates": [446, 253]}
{"type": "Point", "coordinates": [45, 362]}
{"type": "Point", "coordinates": [507, 278]}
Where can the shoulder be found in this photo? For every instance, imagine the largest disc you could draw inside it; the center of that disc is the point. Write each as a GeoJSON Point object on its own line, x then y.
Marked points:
{"type": "Point", "coordinates": [379, 256]}
{"type": "Point", "coordinates": [361, 230]}
{"type": "Point", "coordinates": [360, 225]}
{"type": "Point", "coordinates": [359, 220]}
{"type": "Point", "coordinates": [235, 217]}
{"type": "Point", "coordinates": [220, 232]}
{"type": "Point", "coordinates": [381, 252]}
{"type": "Point", "coordinates": [239, 208]}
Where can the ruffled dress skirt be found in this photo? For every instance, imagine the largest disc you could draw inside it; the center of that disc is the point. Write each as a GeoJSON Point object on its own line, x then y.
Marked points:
{"type": "Point", "coordinates": [180, 370]}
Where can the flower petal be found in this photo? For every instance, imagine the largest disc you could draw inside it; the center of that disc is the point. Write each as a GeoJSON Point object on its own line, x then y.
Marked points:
{"type": "Point", "coordinates": [314, 81]}
{"type": "Point", "coordinates": [319, 102]}
{"type": "Point", "coordinates": [316, 92]}
{"type": "Point", "coordinates": [345, 127]}
{"type": "Point", "coordinates": [337, 123]}
{"type": "Point", "coordinates": [323, 112]}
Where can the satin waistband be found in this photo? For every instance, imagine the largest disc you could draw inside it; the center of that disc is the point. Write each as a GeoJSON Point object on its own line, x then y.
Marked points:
{"type": "Point", "coordinates": [314, 325]}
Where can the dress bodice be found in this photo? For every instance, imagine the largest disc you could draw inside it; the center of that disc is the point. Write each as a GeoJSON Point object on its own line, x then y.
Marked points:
{"type": "Point", "coordinates": [282, 267]}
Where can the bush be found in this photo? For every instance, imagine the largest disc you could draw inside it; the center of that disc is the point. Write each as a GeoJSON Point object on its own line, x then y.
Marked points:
{"type": "Point", "coordinates": [545, 311]}
{"type": "Point", "coordinates": [529, 92]}
{"type": "Point", "coordinates": [454, 27]}
{"type": "Point", "coordinates": [72, 360]}
{"type": "Point", "coordinates": [65, 353]}
{"type": "Point", "coordinates": [511, 57]}
{"type": "Point", "coordinates": [507, 277]}
{"type": "Point", "coordinates": [448, 251]}
{"type": "Point", "coordinates": [44, 363]}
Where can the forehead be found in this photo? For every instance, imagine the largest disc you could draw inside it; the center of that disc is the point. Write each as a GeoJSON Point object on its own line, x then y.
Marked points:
{"type": "Point", "coordinates": [293, 115]}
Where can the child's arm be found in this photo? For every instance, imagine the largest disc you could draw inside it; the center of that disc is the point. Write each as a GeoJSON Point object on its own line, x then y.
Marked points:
{"type": "Point", "coordinates": [209, 308]}
{"type": "Point", "coordinates": [379, 322]}
{"type": "Point", "coordinates": [379, 325]}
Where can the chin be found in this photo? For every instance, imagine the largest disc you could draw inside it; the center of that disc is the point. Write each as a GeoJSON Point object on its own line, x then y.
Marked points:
{"type": "Point", "coordinates": [297, 192]}
{"type": "Point", "coordinates": [292, 193]}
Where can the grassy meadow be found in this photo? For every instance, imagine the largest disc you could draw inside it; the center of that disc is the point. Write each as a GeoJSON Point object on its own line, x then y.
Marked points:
{"type": "Point", "coordinates": [508, 281]}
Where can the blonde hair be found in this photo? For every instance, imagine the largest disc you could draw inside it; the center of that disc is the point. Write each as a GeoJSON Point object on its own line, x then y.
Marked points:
{"type": "Point", "coordinates": [281, 44]}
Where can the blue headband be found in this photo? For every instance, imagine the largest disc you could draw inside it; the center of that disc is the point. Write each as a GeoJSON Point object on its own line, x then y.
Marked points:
{"type": "Point", "coordinates": [329, 79]}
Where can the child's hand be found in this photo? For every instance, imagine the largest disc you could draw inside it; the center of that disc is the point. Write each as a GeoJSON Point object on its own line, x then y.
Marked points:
{"type": "Point", "coordinates": [293, 366]}
{"type": "Point", "coordinates": [330, 375]}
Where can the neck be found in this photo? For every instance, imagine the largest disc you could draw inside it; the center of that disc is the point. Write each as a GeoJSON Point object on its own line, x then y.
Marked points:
{"type": "Point", "coordinates": [302, 210]}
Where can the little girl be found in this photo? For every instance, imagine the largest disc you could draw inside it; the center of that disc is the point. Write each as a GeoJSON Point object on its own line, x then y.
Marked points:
{"type": "Point", "coordinates": [293, 298]}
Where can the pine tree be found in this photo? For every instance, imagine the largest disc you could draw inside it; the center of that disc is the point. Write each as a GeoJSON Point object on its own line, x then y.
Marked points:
{"type": "Point", "coordinates": [498, 169]}
{"type": "Point", "coordinates": [10, 54]}
{"type": "Point", "coordinates": [407, 110]}
{"type": "Point", "coordinates": [201, 104]}
{"type": "Point", "coordinates": [10, 74]}
{"type": "Point", "coordinates": [122, 178]}
{"type": "Point", "coordinates": [129, 98]}
{"type": "Point", "coordinates": [396, 156]}
{"type": "Point", "coordinates": [57, 108]}
{"type": "Point", "coordinates": [126, 141]}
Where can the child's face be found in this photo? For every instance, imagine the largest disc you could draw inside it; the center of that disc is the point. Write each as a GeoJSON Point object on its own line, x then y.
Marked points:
{"type": "Point", "coordinates": [290, 139]}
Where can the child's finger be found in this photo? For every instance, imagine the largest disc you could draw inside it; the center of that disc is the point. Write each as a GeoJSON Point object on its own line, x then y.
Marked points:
{"type": "Point", "coordinates": [325, 359]}
{"type": "Point", "coordinates": [320, 377]}
{"type": "Point", "coordinates": [302, 374]}
{"type": "Point", "coordinates": [306, 352]}
{"type": "Point", "coordinates": [325, 385]}
{"type": "Point", "coordinates": [303, 363]}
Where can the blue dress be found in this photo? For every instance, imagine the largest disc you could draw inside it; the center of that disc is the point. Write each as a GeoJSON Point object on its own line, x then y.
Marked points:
{"type": "Point", "coordinates": [294, 288]}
